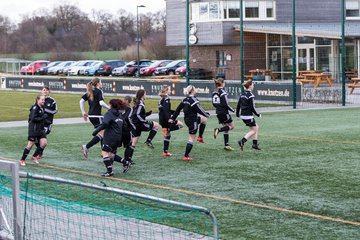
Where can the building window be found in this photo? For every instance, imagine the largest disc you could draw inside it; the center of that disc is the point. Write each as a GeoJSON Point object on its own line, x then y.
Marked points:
{"type": "Point", "coordinates": [220, 10]}
{"type": "Point", "coordinates": [220, 59]}
{"type": "Point", "coordinates": [252, 9]}
{"type": "Point", "coordinates": [352, 8]}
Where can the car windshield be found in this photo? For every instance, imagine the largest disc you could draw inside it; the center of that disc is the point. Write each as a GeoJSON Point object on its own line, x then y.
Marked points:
{"type": "Point", "coordinates": [155, 64]}
{"type": "Point", "coordinates": [96, 64]}
{"type": "Point", "coordinates": [172, 64]}
{"type": "Point", "coordinates": [52, 64]}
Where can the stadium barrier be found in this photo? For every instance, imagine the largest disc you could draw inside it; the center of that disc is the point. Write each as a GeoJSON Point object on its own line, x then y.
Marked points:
{"type": "Point", "coordinates": [54, 208]}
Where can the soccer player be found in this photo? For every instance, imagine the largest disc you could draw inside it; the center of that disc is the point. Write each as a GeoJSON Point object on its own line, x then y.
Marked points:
{"type": "Point", "coordinates": [94, 97]}
{"type": "Point", "coordinates": [51, 109]}
{"type": "Point", "coordinates": [126, 136]}
{"type": "Point", "coordinates": [112, 126]}
{"type": "Point", "coordinates": [194, 115]}
{"type": "Point", "coordinates": [139, 123]}
{"type": "Point", "coordinates": [219, 101]}
{"type": "Point", "coordinates": [164, 116]}
{"type": "Point", "coordinates": [37, 118]}
{"type": "Point", "coordinates": [245, 110]}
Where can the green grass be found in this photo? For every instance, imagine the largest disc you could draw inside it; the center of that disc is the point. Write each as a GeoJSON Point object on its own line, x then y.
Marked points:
{"type": "Point", "coordinates": [309, 163]}
{"type": "Point", "coordinates": [17, 104]}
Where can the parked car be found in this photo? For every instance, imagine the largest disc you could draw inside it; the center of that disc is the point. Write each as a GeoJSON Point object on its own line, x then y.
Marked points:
{"type": "Point", "coordinates": [181, 70]}
{"type": "Point", "coordinates": [131, 69]}
{"type": "Point", "coordinates": [170, 68]}
{"type": "Point", "coordinates": [44, 70]}
{"type": "Point", "coordinates": [106, 70]}
{"type": "Point", "coordinates": [55, 70]}
{"type": "Point", "coordinates": [120, 71]}
{"type": "Point", "coordinates": [33, 66]}
{"type": "Point", "coordinates": [150, 70]}
{"type": "Point", "coordinates": [65, 70]}
{"type": "Point", "coordinates": [75, 70]}
{"type": "Point", "coordinates": [93, 69]}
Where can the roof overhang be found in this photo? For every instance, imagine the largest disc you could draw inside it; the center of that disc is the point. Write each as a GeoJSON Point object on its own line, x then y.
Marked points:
{"type": "Point", "coordinates": [320, 30]}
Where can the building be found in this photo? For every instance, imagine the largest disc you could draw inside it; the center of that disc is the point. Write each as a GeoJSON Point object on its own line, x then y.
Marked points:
{"type": "Point", "coordinates": [215, 35]}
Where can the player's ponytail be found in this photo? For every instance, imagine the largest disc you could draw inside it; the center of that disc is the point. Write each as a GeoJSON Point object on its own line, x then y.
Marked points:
{"type": "Point", "coordinates": [164, 90]}
{"type": "Point", "coordinates": [190, 89]}
{"type": "Point", "coordinates": [139, 95]}
{"type": "Point", "coordinates": [89, 87]}
{"type": "Point", "coordinates": [247, 84]}
{"type": "Point", "coordinates": [218, 82]}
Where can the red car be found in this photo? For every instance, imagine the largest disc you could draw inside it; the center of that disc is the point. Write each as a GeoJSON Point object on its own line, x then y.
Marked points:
{"type": "Point", "coordinates": [149, 70]}
{"type": "Point", "coordinates": [32, 67]}
{"type": "Point", "coordinates": [181, 70]}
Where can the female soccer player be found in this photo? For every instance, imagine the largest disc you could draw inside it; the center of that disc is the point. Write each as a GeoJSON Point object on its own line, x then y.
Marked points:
{"type": "Point", "coordinates": [112, 126]}
{"type": "Point", "coordinates": [164, 116]}
{"type": "Point", "coordinates": [51, 109]}
{"type": "Point", "coordinates": [95, 99]}
{"type": "Point", "coordinates": [37, 118]}
{"type": "Point", "coordinates": [192, 108]}
{"type": "Point", "coordinates": [219, 100]}
{"type": "Point", "coordinates": [245, 110]}
{"type": "Point", "coordinates": [126, 136]}
{"type": "Point", "coordinates": [140, 124]}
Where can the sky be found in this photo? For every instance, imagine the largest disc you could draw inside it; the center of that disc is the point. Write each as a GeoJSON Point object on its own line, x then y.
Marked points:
{"type": "Point", "coordinates": [15, 9]}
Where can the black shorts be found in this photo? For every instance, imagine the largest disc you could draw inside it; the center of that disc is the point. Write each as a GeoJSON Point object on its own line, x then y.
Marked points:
{"type": "Point", "coordinates": [144, 127]}
{"type": "Point", "coordinates": [109, 148]}
{"type": "Point", "coordinates": [125, 139]}
{"type": "Point", "coordinates": [193, 125]}
{"type": "Point", "coordinates": [47, 128]}
{"type": "Point", "coordinates": [249, 122]}
{"type": "Point", "coordinates": [224, 118]}
{"type": "Point", "coordinates": [36, 138]}
{"type": "Point", "coordinates": [167, 124]}
{"type": "Point", "coordinates": [96, 121]}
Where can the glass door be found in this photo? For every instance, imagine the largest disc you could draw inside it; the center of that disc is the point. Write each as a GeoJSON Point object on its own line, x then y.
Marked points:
{"type": "Point", "coordinates": [306, 58]}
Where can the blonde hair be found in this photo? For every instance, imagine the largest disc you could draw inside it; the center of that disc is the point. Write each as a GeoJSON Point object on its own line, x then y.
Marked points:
{"type": "Point", "coordinates": [89, 87]}
{"type": "Point", "coordinates": [163, 91]}
{"type": "Point", "coordinates": [189, 89]}
{"type": "Point", "coordinates": [218, 82]}
{"type": "Point", "coordinates": [247, 84]}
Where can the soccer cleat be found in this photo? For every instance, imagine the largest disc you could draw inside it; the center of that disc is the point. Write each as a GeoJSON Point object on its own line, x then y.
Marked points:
{"type": "Point", "coordinates": [256, 147]}
{"type": "Point", "coordinates": [228, 148]}
{"type": "Point", "coordinates": [167, 154]}
{"type": "Point", "coordinates": [107, 174]}
{"type": "Point", "coordinates": [85, 151]}
{"type": "Point", "coordinates": [200, 140]}
{"type": "Point", "coordinates": [126, 166]}
{"type": "Point", "coordinates": [241, 144]}
{"type": "Point", "coordinates": [35, 160]}
{"type": "Point", "coordinates": [149, 144]}
{"type": "Point", "coordinates": [39, 157]}
{"type": "Point", "coordinates": [216, 132]}
{"type": "Point", "coordinates": [22, 163]}
{"type": "Point", "coordinates": [184, 158]}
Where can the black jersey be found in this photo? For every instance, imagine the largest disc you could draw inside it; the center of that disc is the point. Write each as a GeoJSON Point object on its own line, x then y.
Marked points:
{"type": "Point", "coordinates": [126, 115]}
{"type": "Point", "coordinates": [165, 111]}
{"type": "Point", "coordinates": [113, 125]}
{"type": "Point", "coordinates": [246, 106]}
{"type": "Point", "coordinates": [138, 115]}
{"type": "Point", "coordinates": [191, 108]}
{"type": "Point", "coordinates": [94, 105]}
{"type": "Point", "coordinates": [37, 118]}
{"type": "Point", "coordinates": [51, 109]}
{"type": "Point", "coordinates": [220, 102]}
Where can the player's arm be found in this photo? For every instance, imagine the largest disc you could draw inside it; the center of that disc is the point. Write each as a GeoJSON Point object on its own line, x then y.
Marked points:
{"type": "Point", "coordinates": [238, 108]}
{"type": "Point", "coordinates": [253, 109]}
{"type": "Point", "coordinates": [224, 102]}
{"type": "Point", "coordinates": [82, 108]}
{"type": "Point", "coordinates": [177, 111]}
{"type": "Point", "coordinates": [200, 110]}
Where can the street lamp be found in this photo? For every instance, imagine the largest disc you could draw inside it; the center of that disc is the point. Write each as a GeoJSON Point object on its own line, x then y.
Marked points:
{"type": "Point", "coordinates": [138, 37]}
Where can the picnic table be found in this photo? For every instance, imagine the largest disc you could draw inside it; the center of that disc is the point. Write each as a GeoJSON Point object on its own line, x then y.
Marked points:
{"type": "Point", "coordinates": [177, 76]}
{"type": "Point", "coordinates": [317, 78]}
{"type": "Point", "coordinates": [354, 84]}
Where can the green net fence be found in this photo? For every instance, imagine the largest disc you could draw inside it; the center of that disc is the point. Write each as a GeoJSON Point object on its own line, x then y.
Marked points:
{"type": "Point", "coordinates": [61, 210]}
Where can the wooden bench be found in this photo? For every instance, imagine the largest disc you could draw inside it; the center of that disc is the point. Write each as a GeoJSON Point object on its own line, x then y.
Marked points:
{"type": "Point", "coordinates": [353, 86]}
{"type": "Point", "coordinates": [304, 81]}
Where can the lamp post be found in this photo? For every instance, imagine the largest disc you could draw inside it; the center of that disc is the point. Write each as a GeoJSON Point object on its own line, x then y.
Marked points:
{"type": "Point", "coordinates": [138, 37]}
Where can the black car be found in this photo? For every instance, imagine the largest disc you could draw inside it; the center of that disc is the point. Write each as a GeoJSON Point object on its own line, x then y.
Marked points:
{"type": "Point", "coordinates": [44, 70]}
{"type": "Point", "coordinates": [170, 68]}
{"type": "Point", "coordinates": [131, 69]}
{"type": "Point", "coordinates": [109, 66]}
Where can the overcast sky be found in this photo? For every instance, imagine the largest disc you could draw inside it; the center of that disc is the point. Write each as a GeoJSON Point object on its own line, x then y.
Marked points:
{"type": "Point", "coordinates": [14, 9]}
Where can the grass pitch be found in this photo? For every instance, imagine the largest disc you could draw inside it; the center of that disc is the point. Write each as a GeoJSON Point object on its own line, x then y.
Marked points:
{"type": "Point", "coordinates": [304, 184]}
